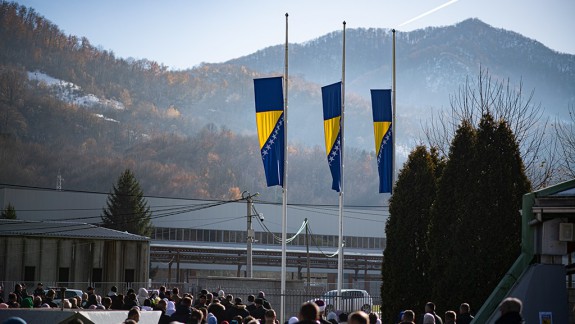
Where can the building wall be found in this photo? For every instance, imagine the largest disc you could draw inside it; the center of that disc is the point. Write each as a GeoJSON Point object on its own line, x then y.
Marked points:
{"type": "Point", "coordinates": [47, 256]}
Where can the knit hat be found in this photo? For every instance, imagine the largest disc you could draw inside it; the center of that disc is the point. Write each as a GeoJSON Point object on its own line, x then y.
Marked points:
{"type": "Point", "coordinates": [331, 316]}
{"type": "Point", "coordinates": [293, 320]}
{"type": "Point", "coordinates": [212, 319]}
{"type": "Point", "coordinates": [320, 304]}
{"type": "Point", "coordinates": [171, 308]}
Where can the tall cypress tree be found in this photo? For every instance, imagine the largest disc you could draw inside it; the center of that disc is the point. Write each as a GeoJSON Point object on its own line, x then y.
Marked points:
{"type": "Point", "coordinates": [475, 231]}
{"type": "Point", "coordinates": [127, 210]}
{"type": "Point", "coordinates": [501, 183]}
{"type": "Point", "coordinates": [454, 192]}
{"type": "Point", "coordinates": [405, 270]}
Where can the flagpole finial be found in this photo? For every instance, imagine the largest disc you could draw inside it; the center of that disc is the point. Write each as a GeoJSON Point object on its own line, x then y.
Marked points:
{"type": "Point", "coordinates": [287, 14]}
{"type": "Point", "coordinates": [393, 30]}
{"type": "Point", "coordinates": [344, 22]}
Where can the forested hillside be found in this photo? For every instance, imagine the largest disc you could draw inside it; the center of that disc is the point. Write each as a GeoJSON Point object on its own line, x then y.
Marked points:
{"type": "Point", "coordinates": [182, 132]}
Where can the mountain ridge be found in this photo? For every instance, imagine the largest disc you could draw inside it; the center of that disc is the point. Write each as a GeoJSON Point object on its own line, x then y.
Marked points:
{"type": "Point", "coordinates": [192, 132]}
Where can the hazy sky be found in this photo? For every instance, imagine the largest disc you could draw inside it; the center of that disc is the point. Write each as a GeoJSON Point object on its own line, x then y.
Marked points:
{"type": "Point", "coordinates": [184, 33]}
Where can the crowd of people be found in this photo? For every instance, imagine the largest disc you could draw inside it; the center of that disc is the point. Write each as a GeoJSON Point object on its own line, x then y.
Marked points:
{"type": "Point", "coordinates": [510, 313]}
{"type": "Point", "coordinates": [221, 308]}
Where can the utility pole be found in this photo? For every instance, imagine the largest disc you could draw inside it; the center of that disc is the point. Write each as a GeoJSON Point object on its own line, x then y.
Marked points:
{"type": "Point", "coordinates": [250, 239]}
{"type": "Point", "coordinates": [307, 252]}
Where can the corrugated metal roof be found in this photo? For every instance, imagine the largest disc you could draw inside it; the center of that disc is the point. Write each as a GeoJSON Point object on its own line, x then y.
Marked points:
{"type": "Point", "coordinates": [13, 227]}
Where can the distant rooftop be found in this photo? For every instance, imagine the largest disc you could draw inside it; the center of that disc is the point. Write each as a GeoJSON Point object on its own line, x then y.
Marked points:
{"type": "Point", "coordinates": [15, 227]}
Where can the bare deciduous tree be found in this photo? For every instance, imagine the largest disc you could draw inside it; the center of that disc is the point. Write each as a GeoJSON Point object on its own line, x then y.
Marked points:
{"type": "Point", "coordinates": [565, 131]}
{"type": "Point", "coordinates": [504, 101]}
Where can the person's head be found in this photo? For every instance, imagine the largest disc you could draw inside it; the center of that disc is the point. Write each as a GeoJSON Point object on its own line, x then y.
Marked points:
{"type": "Point", "coordinates": [75, 321]}
{"type": "Point", "coordinates": [218, 310]}
{"type": "Point", "coordinates": [134, 314]}
{"type": "Point", "coordinates": [175, 291]}
{"type": "Point", "coordinates": [332, 316]}
{"type": "Point", "coordinates": [107, 302]}
{"type": "Point", "coordinates": [251, 298]}
{"type": "Point", "coordinates": [510, 305]}
{"type": "Point", "coordinates": [37, 301]}
{"type": "Point", "coordinates": [262, 295]}
{"type": "Point", "coordinates": [270, 316]}
{"type": "Point", "coordinates": [203, 299]}
{"type": "Point", "coordinates": [67, 304]}
{"type": "Point", "coordinates": [92, 299]}
{"type": "Point", "coordinates": [259, 302]}
{"type": "Point", "coordinates": [408, 316]}
{"type": "Point", "coordinates": [196, 317]}
{"type": "Point", "coordinates": [162, 305]}
{"type": "Point", "coordinates": [114, 289]}
{"type": "Point", "coordinates": [209, 297]}
{"type": "Point", "coordinates": [320, 305]}
{"type": "Point", "coordinates": [162, 289]}
{"type": "Point", "coordinates": [428, 318]}
{"type": "Point", "coordinates": [51, 293]}
{"type": "Point", "coordinates": [40, 286]}
{"type": "Point", "coordinates": [358, 317]}
{"type": "Point", "coordinates": [90, 290]}
{"type": "Point", "coordinates": [73, 302]}
{"type": "Point", "coordinates": [450, 317]}
{"type": "Point", "coordinates": [230, 298]}
{"type": "Point", "coordinates": [12, 297]}
{"type": "Point", "coordinates": [309, 311]}
{"type": "Point", "coordinates": [464, 308]}
{"type": "Point", "coordinates": [430, 307]}
{"type": "Point", "coordinates": [18, 287]}
{"type": "Point", "coordinates": [186, 302]}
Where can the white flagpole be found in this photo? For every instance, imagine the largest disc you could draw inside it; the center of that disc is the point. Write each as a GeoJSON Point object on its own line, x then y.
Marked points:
{"type": "Point", "coordinates": [394, 134]}
{"type": "Point", "coordinates": [284, 188]}
{"type": "Point", "coordinates": [340, 258]}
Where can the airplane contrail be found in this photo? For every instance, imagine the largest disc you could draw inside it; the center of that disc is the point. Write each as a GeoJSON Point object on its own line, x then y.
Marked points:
{"type": "Point", "coordinates": [429, 12]}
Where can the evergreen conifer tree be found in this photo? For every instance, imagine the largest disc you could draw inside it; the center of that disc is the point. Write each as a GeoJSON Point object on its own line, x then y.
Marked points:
{"type": "Point", "coordinates": [9, 212]}
{"type": "Point", "coordinates": [127, 210]}
{"type": "Point", "coordinates": [454, 193]}
{"type": "Point", "coordinates": [475, 229]}
{"type": "Point", "coordinates": [405, 270]}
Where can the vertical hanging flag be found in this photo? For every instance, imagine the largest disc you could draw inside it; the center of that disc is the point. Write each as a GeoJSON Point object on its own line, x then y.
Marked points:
{"type": "Point", "coordinates": [381, 105]}
{"type": "Point", "coordinates": [331, 97]}
{"type": "Point", "coordinates": [270, 122]}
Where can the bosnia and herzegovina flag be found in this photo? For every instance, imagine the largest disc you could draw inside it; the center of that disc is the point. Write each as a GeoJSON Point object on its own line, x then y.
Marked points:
{"type": "Point", "coordinates": [381, 105]}
{"type": "Point", "coordinates": [270, 122]}
{"type": "Point", "coordinates": [331, 98]}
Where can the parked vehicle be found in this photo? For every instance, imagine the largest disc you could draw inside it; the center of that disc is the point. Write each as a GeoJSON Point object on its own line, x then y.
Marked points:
{"type": "Point", "coordinates": [350, 300]}
{"type": "Point", "coordinates": [68, 294]}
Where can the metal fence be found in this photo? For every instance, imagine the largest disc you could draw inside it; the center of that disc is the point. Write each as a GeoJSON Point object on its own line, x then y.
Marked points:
{"type": "Point", "coordinates": [296, 293]}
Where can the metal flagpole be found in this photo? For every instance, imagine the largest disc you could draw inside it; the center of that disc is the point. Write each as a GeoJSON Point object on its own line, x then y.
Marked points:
{"type": "Point", "coordinates": [393, 107]}
{"type": "Point", "coordinates": [340, 258]}
{"type": "Point", "coordinates": [284, 188]}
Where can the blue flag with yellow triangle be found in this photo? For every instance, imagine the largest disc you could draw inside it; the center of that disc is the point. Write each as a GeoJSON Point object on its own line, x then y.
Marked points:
{"type": "Point", "coordinates": [382, 130]}
{"type": "Point", "coordinates": [269, 100]}
{"type": "Point", "coordinates": [331, 98]}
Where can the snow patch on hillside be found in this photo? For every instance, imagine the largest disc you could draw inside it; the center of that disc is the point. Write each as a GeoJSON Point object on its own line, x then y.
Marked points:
{"type": "Point", "coordinates": [72, 93]}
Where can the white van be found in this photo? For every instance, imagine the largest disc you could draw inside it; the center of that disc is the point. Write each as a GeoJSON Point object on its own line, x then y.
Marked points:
{"type": "Point", "coordinates": [350, 300]}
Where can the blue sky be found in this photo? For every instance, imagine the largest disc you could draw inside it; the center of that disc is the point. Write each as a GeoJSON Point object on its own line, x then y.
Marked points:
{"type": "Point", "coordinates": [183, 33]}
